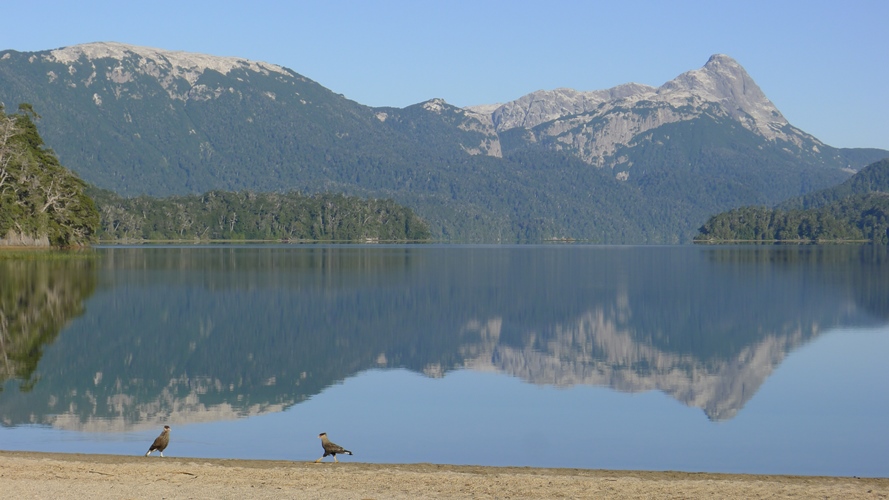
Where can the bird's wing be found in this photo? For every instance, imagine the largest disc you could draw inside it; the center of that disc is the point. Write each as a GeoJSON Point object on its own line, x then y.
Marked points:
{"type": "Point", "coordinates": [160, 441]}
{"type": "Point", "coordinates": [333, 448]}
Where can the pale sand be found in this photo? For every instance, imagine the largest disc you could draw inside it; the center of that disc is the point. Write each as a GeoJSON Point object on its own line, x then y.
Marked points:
{"type": "Point", "coordinates": [59, 475]}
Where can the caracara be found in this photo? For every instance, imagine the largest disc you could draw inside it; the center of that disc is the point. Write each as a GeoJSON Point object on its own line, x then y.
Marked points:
{"type": "Point", "coordinates": [331, 448]}
{"type": "Point", "coordinates": [160, 443]}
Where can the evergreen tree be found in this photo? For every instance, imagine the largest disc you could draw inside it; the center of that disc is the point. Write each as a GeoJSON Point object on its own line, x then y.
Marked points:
{"type": "Point", "coordinates": [41, 202]}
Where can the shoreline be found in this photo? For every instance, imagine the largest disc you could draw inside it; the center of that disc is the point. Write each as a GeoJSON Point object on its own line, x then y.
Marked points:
{"type": "Point", "coordinates": [63, 475]}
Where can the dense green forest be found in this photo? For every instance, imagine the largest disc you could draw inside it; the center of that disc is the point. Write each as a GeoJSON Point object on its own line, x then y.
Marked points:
{"type": "Point", "coordinates": [221, 215]}
{"type": "Point", "coordinates": [41, 202]}
{"type": "Point", "coordinates": [856, 210]}
{"type": "Point", "coordinates": [44, 204]}
{"type": "Point", "coordinates": [870, 179]}
{"type": "Point", "coordinates": [857, 218]}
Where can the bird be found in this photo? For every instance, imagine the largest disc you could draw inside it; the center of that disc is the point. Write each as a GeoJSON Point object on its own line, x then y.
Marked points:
{"type": "Point", "coordinates": [331, 448]}
{"type": "Point", "coordinates": [160, 443]}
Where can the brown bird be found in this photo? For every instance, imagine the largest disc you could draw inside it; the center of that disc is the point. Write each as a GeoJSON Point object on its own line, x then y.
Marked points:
{"type": "Point", "coordinates": [331, 448]}
{"type": "Point", "coordinates": [160, 443]}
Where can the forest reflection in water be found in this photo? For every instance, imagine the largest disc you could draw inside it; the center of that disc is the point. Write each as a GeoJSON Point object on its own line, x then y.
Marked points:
{"type": "Point", "coordinates": [41, 291]}
{"type": "Point", "coordinates": [185, 335]}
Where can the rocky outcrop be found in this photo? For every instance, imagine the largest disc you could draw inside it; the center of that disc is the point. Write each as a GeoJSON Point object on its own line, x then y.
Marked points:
{"type": "Point", "coordinates": [593, 125]}
{"type": "Point", "coordinates": [547, 105]}
{"type": "Point", "coordinates": [176, 71]}
{"type": "Point", "coordinates": [468, 121]}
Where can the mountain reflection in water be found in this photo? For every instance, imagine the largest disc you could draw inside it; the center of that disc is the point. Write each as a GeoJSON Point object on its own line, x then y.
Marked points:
{"type": "Point", "coordinates": [199, 334]}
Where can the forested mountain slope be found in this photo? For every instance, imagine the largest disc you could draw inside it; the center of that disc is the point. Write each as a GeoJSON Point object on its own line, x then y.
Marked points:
{"type": "Point", "coordinates": [856, 210]}
{"type": "Point", "coordinates": [634, 164]}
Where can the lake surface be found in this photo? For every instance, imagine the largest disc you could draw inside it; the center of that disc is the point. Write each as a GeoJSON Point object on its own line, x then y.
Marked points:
{"type": "Point", "coordinates": [747, 359]}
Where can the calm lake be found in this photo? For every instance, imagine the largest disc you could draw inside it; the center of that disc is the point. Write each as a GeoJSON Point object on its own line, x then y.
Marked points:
{"type": "Point", "coordinates": [751, 359]}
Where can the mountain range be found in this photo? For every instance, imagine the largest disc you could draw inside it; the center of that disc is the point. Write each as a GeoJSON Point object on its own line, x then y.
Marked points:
{"type": "Point", "coordinates": [630, 164]}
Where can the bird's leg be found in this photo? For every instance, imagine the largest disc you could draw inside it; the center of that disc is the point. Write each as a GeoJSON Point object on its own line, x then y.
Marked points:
{"type": "Point", "coordinates": [319, 460]}
{"type": "Point", "coordinates": [162, 454]}
{"type": "Point", "coordinates": [335, 460]}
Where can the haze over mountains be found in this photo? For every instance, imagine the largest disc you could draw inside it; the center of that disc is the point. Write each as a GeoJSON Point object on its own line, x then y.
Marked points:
{"type": "Point", "coordinates": [631, 164]}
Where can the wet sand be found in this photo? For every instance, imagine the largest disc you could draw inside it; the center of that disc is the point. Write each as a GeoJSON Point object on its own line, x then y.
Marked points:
{"type": "Point", "coordinates": [60, 475]}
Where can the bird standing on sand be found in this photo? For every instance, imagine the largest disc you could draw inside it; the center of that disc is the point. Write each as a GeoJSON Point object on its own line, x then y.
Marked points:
{"type": "Point", "coordinates": [160, 443]}
{"type": "Point", "coordinates": [331, 448]}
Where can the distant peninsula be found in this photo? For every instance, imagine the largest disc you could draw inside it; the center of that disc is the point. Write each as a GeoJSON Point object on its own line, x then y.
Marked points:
{"type": "Point", "coordinates": [855, 211]}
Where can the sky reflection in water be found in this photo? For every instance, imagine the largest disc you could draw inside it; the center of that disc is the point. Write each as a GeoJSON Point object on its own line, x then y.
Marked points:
{"type": "Point", "coordinates": [815, 415]}
{"type": "Point", "coordinates": [667, 359]}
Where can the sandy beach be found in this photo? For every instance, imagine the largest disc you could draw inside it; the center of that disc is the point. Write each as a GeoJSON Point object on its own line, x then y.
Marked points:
{"type": "Point", "coordinates": [59, 475]}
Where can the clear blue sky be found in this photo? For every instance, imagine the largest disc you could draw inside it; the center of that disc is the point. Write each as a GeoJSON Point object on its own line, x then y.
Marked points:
{"type": "Point", "coordinates": [825, 64]}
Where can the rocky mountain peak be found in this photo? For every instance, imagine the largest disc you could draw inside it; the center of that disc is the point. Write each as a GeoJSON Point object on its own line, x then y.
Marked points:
{"type": "Point", "coordinates": [187, 63]}
{"type": "Point", "coordinates": [594, 124]}
{"type": "Point", "coordinates": [722, 80]}
{"type": "Point", "coordinates": [435, 105]}
{"type": "Point", "coordinates": [123, 62]}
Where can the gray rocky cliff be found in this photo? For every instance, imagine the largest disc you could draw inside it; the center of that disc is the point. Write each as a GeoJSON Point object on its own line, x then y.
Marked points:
{"type": "Point", "coordinates": [548, 105]}
{"type": "Point", "coordinates": [593, 125]}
